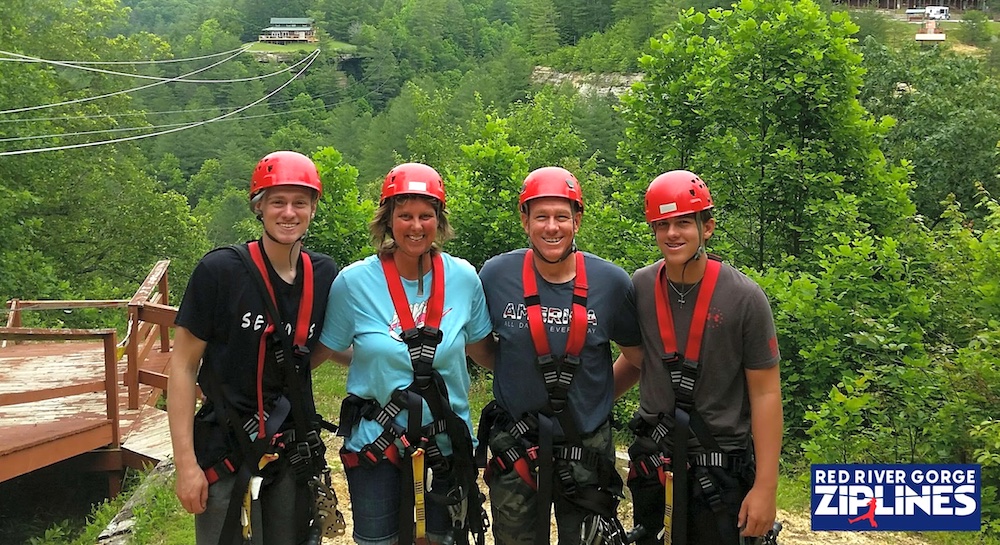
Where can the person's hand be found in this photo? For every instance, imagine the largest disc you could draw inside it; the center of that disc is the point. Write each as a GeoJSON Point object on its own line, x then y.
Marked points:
{"type": "Point", "coordinates": [757, 512]}
{"type": "Point", "coordinates": [192, 488]}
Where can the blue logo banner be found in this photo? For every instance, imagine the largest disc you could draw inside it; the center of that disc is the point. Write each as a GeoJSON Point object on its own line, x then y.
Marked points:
{"type": "Point", "coordinates": [896, 497]}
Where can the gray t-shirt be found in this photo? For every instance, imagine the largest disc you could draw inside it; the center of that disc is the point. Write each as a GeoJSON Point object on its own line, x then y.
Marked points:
{"type": "Point", "coordinates": [518, 384]}
{"type": "Point", "coordinates": [739, 334]}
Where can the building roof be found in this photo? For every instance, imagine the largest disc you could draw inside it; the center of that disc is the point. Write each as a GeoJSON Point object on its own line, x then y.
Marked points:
{"type": "Point", "coordinates": [291, 21]}
{"type": "Point", "coordinates": [287, 28]}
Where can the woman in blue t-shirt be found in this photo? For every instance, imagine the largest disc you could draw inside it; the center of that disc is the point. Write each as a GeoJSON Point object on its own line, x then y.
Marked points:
{"type": "Point", "coordinates": [403, 320]}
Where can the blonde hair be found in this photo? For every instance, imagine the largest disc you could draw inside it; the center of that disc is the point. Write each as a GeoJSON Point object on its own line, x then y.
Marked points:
{"type": "Point", "coordinates": [380, 227]}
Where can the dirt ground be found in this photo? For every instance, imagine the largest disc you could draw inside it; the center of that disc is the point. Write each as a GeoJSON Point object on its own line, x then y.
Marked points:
{"type": "Point", "coordinates": [795, 529]}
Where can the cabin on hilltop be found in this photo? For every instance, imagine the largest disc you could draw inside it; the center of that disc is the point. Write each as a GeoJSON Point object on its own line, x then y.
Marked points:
{"type": "Point", "coordinates": [286, 30]}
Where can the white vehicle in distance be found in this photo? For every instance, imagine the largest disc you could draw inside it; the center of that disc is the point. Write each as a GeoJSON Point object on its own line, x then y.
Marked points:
{"type": "Point", "coordinates": [937, 12]}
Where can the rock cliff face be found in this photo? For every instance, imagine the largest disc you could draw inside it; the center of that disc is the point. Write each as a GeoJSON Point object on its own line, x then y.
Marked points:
{"type": "Point", "coordinates": [602, 84]}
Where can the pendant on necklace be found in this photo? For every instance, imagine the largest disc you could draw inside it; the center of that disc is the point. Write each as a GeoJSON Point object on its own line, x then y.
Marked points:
{"type": "Point", "coordinates": [682, 295]}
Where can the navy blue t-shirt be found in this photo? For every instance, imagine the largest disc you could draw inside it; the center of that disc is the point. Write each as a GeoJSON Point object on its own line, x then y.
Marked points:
{"type": "Point", "coordinates": [518, 384]}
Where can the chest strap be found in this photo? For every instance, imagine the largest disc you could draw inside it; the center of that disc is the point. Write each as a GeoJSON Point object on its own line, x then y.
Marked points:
{"type": "Point", "coordinates": [557, 371]}
{"type": "Point", "coordinates": [421, 342]}
{"type": "Point", "coordinates": [684, 370]}
{"type": "Point", "coordinates": [304, 284]}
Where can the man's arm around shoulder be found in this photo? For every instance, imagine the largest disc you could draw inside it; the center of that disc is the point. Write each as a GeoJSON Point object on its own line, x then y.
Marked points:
{"type": "Point", "coordinates": [626, 369]}
{"type": "Point", "coordinates": [483, 351]}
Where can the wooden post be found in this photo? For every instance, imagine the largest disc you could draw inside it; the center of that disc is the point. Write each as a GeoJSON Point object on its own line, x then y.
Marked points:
{"type": "Point", "coordinates": [165, 298]}
{"type": "Point", "coordinates": [13, 318]}
{"type": "Point", "coordinates": [132, 357]}
{"type": "Point", "coordinates": [111, 383]}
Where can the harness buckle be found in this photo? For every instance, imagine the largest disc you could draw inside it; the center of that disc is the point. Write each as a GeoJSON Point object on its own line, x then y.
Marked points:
{"type": "Point", "coordinates": [546, 359]}
{"type": "Point", "coordinates": [367, 456]}
{"type": "Point", "coordinates": [410, 336]}
{"type": "Point", "coordinates": [531, 453]}
{"type": "Point", "coordinates": [422, 380]}
{"type": "Point", "coordinates": [412, 446]}
{"type": "Point", "coordinates": [434, 334]}
{"type": "Point", "coordinates": [690, 367]}
{"type": "Point", "coordinates": [558, 399]}
{"type": "Point", "coordinates": [671, 358]}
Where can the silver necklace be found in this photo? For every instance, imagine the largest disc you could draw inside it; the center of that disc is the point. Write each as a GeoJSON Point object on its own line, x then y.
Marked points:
{"type": "Point", "coordinates": [682, 295]}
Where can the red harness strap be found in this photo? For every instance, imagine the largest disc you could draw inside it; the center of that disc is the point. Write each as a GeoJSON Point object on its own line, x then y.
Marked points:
{"type": "Point", "coordinates": [301, 322]}
{"type": "Point", "coordinates": [578, 316]}
{"type": "Point", "coordinates": [353, 459]}
{"type": "Point", "coordinates": [435, 305]}
{"type": "Point", "coordinates": [558, 376]}
{"type": "Point", "coordinates": [683, 368]}
{"type": "Point", "coordinates": [665, 317]}
{"type": "Point", "coordinates": [421, 345]}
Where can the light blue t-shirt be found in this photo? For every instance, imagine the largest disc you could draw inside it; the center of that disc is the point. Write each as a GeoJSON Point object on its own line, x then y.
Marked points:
{"type": "Point", "coordinates": [361, 312]}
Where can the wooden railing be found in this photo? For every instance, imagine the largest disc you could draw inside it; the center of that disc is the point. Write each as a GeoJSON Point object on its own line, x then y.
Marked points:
{"type": "Point", "coordinates": [16, 306]}
{"type": "Point", "coordinates": [109, 384]}
{"type": "Point", "coordinates": [150, 318]}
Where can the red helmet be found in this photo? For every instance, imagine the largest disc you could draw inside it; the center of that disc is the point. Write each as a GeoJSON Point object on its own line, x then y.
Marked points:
{"type": "Point", "coordinates": [285, 168]}
{"type": "Point", "coordinates": [676, 193]}
{"type": "Point", "coordinates": [550, 182]}
{"type": "Point", "coordinates": [413, 179]}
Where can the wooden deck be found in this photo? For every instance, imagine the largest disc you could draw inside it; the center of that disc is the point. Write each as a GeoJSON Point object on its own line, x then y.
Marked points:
{"type": "Point", "coordinates": [78, 394]}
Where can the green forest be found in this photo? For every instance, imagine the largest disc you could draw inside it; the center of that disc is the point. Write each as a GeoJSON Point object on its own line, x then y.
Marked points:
{"type": "Point", "coordinates": [855, 174]}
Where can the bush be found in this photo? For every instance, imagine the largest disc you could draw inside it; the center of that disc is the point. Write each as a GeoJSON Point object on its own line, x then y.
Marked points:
{"type": "Point", "coordinates": [975, 29]}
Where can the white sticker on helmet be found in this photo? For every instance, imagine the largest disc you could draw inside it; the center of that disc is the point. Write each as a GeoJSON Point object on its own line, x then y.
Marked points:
{"type": "Point", "coordinates": [416, 186]}
{"type": "Point", "coordinates": [667, 208]}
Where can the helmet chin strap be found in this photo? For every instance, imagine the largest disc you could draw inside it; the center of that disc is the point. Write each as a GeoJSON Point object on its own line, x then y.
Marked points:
{"type": "Point", "coordinates": [420, 273]}
{"type": "Point", "coordinates": [291, 247]}
{"type": "Point", "coordinates": [701, 239]}
{"type": "Point", "coordinates": [569, 251]}
{"type": "Point", "coordinates": [420, 266]}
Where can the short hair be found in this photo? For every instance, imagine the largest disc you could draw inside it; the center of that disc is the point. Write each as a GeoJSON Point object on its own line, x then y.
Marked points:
{"type": "Point", "coordinates": [526, 207]}
{"type": "Point", "coordinates": [380, 227]}
{"type": "Point", "coordinates": [262, 195]}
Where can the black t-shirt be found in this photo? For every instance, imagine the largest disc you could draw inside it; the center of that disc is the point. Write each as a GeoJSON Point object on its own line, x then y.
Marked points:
{"type": "Point", "coordinates": [223, 306]}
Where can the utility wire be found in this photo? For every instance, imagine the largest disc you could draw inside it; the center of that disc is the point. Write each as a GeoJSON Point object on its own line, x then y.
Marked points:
{"type": "Point", "coordinates": [163, 61]}
{"type": "Point", "coordinates": [136, 114]}
{"type": "Point", "coordinates": [311, 57]}
{"type": "Point", "coordinates": [181, 79]}
{"type": "Point", "coordinates": [88, 99]}
{"type": "Point", "coordinates": [150, 127]}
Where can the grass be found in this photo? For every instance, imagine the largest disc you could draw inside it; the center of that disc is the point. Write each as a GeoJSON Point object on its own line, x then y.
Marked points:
{"type": "Point", "coordinates": [900, 33]}
{"type": "Point", "coordinates": [330, 45]}
{"type": "Point", "coordinates": [261, 47]}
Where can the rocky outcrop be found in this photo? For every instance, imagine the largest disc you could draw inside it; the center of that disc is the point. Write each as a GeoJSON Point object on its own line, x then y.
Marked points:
{"type": "Point", "coordinates": [586, 83]}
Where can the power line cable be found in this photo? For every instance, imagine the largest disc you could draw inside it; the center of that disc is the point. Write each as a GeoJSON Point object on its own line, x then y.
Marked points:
{"type": "Point", "coordinates": [221, 118]}
{"type": "Point", "coordinates": [88, 99]}
{"type": "Point", "coordinates": [149, 127]}
{"type": "Point", "coordinates": [311, 57]}
{"type": "Point", "coordinates": [162, 61]}
{"type": "Point", "coordinates": [157, 78]}
{"type": "Point", "coordinates": [133, 114]}
{"type": "Point", "coordinates": [103, 116]}
{"type": "Point", "coordinates": [137, 114]}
